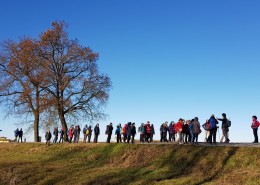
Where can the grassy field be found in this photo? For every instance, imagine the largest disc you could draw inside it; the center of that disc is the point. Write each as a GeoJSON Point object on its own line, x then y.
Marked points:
{"type": "Point", "coordinates": [127, 164]}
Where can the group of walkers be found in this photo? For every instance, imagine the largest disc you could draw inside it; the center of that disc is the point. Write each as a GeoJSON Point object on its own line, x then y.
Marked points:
{"type": "Point", "coordinates": [180, 132]}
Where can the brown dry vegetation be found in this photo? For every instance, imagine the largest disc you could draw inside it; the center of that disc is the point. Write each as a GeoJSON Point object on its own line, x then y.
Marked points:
{"type": "Point", "coordinates": [127, 164]}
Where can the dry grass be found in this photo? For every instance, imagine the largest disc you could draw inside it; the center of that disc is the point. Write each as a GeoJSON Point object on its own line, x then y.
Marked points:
{"type": "Point", "coordinates": [127, 164]}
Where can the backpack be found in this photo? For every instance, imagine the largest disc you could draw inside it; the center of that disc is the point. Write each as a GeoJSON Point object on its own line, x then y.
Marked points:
{"type": "Point", "coordinates": [228, 123]}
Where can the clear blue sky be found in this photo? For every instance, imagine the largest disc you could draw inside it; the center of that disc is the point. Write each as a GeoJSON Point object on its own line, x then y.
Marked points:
{"type": "Point", "coordinates": [167, 59]}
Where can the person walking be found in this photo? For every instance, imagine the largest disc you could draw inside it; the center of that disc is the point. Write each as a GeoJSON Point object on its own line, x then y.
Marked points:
{"type": "Point", "coordinates": [255, 124]}
{"type": "Point", "coordinates": [213, 129]}
{"type": "Point", "coordinates": [225, 127]}
{"type": "Point", "coordinates": [96, 133]}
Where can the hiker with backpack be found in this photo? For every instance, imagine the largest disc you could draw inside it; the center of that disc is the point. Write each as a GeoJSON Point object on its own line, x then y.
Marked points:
{"type": "Point", "coordinates": [196, 130]}
{"type": "Point", "coordinates": [109, 131]}
{"type": "Point", "coordinates": [96, 133]}
{"type": "Point", "coordinates": [213, 129]}
{"type": "Point", "coordinates": [84, 133]}
{"type": "Point", "coordinates": [89, 133]}
{"type": "Point", "coordinates": [255, 124]}
{"type": "Point", "coordinates": [206, 127]}
{"type": "Point", "coordinates": [225, 126]}
{"type": "Point", "coordinates": [118, 133]}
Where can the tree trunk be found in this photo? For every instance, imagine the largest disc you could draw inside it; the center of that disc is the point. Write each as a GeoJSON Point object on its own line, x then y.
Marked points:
{"type": "Point", "coordinates": [37, 115]}
{"type": "Point", "coordinates": [36, 126]}
{"type": "Point", "coordinates": [63, 122]}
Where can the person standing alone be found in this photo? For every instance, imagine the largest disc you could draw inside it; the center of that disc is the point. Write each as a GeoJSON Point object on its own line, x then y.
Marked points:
{"type": "Point", "coordinates": [254, 126]}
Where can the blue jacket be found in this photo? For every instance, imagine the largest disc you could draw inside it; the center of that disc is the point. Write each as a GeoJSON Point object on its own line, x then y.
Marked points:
{"type": "Point", "coordinates": [213, 122]}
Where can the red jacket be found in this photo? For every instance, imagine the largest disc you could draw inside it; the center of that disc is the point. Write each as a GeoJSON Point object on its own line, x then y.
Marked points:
{"type": "Point", "coordinates": [148, 128]}
{"type": "Point", "coordinates": [255, 124]}
{"type": "Point", "coordinates": [178, 126]}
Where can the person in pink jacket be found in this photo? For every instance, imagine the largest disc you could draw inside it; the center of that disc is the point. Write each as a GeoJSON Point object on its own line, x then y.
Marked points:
{"type": "Point", "coordinates": [254, 126]}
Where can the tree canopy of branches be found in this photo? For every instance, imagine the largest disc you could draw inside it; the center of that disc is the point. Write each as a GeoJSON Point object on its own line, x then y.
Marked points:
{"type": "Point", "coordinates": [52, 73]}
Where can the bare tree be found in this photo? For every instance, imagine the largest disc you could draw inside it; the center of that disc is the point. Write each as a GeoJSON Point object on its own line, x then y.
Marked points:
{"type": "Point", "coordinates": [20, 79]}
{"type": "Point", "coordinates": [72, 77]}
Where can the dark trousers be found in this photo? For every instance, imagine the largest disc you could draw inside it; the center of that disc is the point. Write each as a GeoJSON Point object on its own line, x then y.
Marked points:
{"type": "Point", "coordinates": [96, 138]}
{"type": "Point", "coordinates": [61, 139]}
{"type": "Point", "coordinates": [147, 138]}
{"type": "Point", "coordinates": [20, 137]}
{"type": "Point", "coordinates": [125, 137]}
{"type": "Point", "coordinates": [55, 139]}
{"type": "Point", "coordinates": [212, 135]}
{"type": "Point", "coordinates": [108, 138]}
{"type": "Point", "coordinates": [255, 134]}
{"type": "Point", "coordinates": [118, 137]}
{"type": "Point", "coordinates": [133, 138]}
{"type": "Point", "coordinates": [164, 137]}
{"type": "Point", "coordinates": [151, 137]}
{"type": "Point", "coordinates": [141, 138]}
{"type": "Point", "coordinates": [187, 138]}
{"type": "Point", "coordinates": [89, 138]}
{"type": "Point", "coordinates": [195, 138]}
